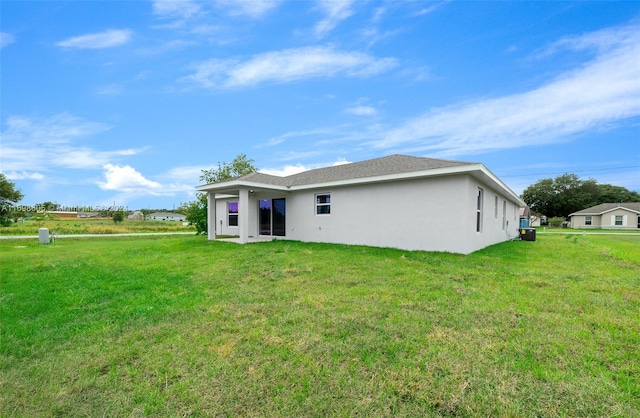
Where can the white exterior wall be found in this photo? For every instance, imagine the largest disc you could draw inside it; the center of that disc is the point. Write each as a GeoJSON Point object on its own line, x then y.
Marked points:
{"type": "Point", "coordinates": [434, 214]}
{"type": "Point", "coordinates": [222, 219]}
{"type": "Point", "coordinates": [431, 214]}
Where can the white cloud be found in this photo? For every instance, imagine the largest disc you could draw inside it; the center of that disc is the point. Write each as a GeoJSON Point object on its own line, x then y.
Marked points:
{"type": "Point", "coordinates": [290, 169]}
{"type": "Point", "coordinates": [56, 129]}
{"type": "Point", "coordinates": [110, 90]}
{"type": "Point", "coordinates": [106, 39]}
{"type": "Point", "coordinates": [182, 9]}
{"type": "Point", "coordinates": [430, 7]}
{"type": "Point", "coordinates": [602, 92]}
{"type": "Point", "coordinates": [341, 161]}
{"type": "Point", "coordinates": [6, 39]}
{"type": "Point", "coordinates": [251, 8]}
{"type": "Point", "coordinates": [601, 40]}
{"type": "Point", "coordinates": [361, 110]}
{"type": "Point", "coordinates": [24, 175]}
{"type": "Point", "coordinates": [190, 12]}
{"type": "Point", "coordinates": [173, 45]}
{"type": "Point", "coordinates": [126, 179]}
{"type": "Point", "coordinates": [44, 143]}
{"type": "Point", "coordinates": [287, 66]}
{"type": "Point", "coordinates": [189, 174]}
{"type": "Point", "coordinates": [285, 171]}
{"type": "Point", "coordinates": [335, 11]}
{"type": "Point", "coordinates": [81, 157]}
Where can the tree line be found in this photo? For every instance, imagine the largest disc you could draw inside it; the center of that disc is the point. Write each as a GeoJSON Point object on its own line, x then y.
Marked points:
{"type": "Point", "coordinates": [567, 194]}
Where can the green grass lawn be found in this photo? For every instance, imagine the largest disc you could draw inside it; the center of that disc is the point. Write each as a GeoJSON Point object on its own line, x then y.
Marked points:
{"type": "Point", "coordinates": [93, 226]}
{"type": "Point", "coordinates": [180, 326]}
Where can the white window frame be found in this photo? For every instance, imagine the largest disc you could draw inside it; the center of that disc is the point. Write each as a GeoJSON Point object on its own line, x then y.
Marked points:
{"type": "Point", "coordinates": [479, 208]}
{"type": "Point", "coordinates": [504, 215]}
{"type": "Point", "coordinates": [230, 214]}
{"type": "Point", "coordinates": [326, 204]}
{"type": "Point", "coordinates": [588, 220]}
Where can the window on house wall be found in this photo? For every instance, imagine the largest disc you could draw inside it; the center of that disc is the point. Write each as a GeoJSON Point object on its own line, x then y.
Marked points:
{"type": "Point", "coordinates": [619, 220]}
{"type": "Point", "coordinates": [495, 208]}
{"type": "Point", "coordinates": [504, 215]}
{"type": "Point", "coordinates": [323, 204]}
{"type": "Point", "coordinates": [479, 205]}
{"type": "Point", "coordinates": [232, 212]}
{"type": "Point", "coordinates": [587, 220]}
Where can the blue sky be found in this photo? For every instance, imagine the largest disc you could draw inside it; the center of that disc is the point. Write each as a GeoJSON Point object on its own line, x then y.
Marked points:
{"type": "Point", "coordinates": [125, 102]}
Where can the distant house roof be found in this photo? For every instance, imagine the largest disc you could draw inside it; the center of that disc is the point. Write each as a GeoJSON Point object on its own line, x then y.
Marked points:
{"type": "Point", "coordinates": [608, 207]}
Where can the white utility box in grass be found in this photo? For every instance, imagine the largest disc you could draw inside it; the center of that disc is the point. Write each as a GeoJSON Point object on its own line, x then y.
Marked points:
{"type": "Point", "coordinates": [43, 235]}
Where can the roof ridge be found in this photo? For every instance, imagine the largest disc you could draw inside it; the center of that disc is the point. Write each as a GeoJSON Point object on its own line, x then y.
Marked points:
{"type": "Point", "coordinates": [387, 165]}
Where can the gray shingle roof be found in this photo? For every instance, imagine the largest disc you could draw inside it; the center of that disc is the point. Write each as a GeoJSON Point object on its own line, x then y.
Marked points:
{"type": "Point", "coordinates": [264, 178]}
{"type": "Point", "coordinates": [393, 164]}
{"type": "Point", "coordinates": [605, 207]}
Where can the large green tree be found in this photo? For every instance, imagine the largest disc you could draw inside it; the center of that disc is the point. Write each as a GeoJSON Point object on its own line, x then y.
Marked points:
{"type": "Point", "coordinates": [240, 166]}
{"type": "Point", "coordinates": [196, 210]}
{"type": "Point", "coordinates": [9, 195]}
{"type": "Point", "coordinates": [567, 193]}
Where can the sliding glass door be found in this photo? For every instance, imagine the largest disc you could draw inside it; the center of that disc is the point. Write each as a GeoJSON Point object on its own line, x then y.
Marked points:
{"type": "Point", "coordinates": [272, 217]}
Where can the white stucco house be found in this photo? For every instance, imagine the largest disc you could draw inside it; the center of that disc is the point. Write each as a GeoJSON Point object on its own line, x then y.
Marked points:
{"type": "Point", "coordinates": [399, 201]}
{"type": "Point", "coordinates": [166, 216]}
{"type": "Point", "coordinates": [608, 216]}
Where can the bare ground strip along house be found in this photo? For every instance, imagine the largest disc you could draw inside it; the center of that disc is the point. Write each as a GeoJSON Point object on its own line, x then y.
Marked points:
{"type": "Point", "coordinates": [398, 201]}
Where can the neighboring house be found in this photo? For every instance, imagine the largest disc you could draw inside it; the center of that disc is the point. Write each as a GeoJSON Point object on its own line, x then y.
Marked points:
{"type": "Point", "coordinates": [166, 216]}
{"type": "Point", "coordinates": [530, 219]}
{"type": "Point", "coordinates": [608, 216]}
{"type": "Point", "coordinates": [88, 214]}
{"type": "Point", "coordinates": [397, 201]}
{"type": "Point", "coordinates": [525, 217]}
{"type": "Point", "coordinates": [537, 219]}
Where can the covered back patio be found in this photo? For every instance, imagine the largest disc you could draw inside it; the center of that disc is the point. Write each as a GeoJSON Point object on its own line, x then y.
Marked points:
{"type": "Point", "coordinates": [249, 210]}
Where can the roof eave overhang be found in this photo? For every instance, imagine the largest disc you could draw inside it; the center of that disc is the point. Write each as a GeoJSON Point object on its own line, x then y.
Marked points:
{"type": "Point", "coordinates": [238, 184]}
{"type": "Point", "coordinates": [618, 208]}
{"type": "Point", "coordinates": [384, 178]}
{"type": "Point", "coordinates": [604, 211]}
{"type": "Point", "coordinates": [474, 169]}
{"type": "Point", "coordinates": [477, 170]}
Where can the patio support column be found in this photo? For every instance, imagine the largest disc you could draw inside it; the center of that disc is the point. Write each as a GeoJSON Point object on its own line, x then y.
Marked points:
{"type": "Point", "coordinates": [211, 216]}
{"type": "Point", "coordinates": [243, 215]}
